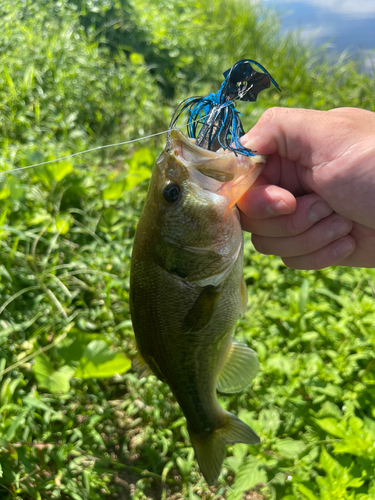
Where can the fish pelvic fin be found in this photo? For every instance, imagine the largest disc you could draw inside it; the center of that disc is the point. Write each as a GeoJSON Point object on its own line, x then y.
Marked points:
{"type": "Point", "coordinates": [240, 367]}
{"type": "Point", "coordinates": [140, 365]}
{"type": "Point", "coordinates": [210, 450]}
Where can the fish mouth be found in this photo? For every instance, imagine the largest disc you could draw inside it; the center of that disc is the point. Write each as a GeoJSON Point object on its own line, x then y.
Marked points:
{"type": "Point", "coordinates": [222, 173]}
{"type": "Point", "coordinates": [189, 149]}
{"type": "Point", "coordinates": [219, 166]}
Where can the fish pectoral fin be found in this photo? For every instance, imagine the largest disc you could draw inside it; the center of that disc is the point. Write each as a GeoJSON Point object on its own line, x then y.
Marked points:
{"type": "Point", "coordinates": [210, 450]}
{"type": "Point", "coordinates": [243, 297]}
{"type": "Point", "coordinates": [203, 309]}
{"type": "Point", "coordinates": [240, 367]}
{"type": "Point", "coordinates": [140, 365]}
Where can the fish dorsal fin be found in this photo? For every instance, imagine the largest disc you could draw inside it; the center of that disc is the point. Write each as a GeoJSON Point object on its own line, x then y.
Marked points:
{"type": "Point", "coordinates": [240, 367]}
{"type": "Point", "coordinates": [203, 309]}
{"type": "Point", "coordinates": [140, 365]}
{"type": "Point", "coordinates": [243, 297]}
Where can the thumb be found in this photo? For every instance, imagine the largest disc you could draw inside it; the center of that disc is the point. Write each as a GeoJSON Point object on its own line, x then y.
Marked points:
{"type": "Point", "coordinates": [292, 133]}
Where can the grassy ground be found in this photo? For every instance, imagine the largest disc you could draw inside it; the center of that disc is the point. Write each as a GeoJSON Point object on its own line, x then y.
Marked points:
{"type": "Point", "coordinates": [65, 434]}
{"type": "Point", "coordinates": [75, 422]}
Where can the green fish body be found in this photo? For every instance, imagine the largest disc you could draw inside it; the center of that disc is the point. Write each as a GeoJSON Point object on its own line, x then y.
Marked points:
{"type": "Point", "coordinates": [187, 290]}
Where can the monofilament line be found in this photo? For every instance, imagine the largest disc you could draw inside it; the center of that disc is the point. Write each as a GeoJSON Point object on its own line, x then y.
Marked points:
{"type": "Point", "coordinates": [5, 172]}
{"type": "Point", "coordinates": [81, 153]}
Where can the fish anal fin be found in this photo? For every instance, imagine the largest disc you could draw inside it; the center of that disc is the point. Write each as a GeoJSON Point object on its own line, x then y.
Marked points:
{"type": "Point", "coordinates": [203, 309]}
{"type": "Point", "coordinates": [240, 367]}
{"type": "Point", "coordinates": [210, 450]}
{"type": "Point", "coordinates": [140, 365]}
{"type": "Point", "coordinates": [243, 297]}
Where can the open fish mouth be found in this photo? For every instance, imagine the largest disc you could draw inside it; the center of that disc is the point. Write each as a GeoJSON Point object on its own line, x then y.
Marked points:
{"type": "Point", "coordinates": [220, 172]}
{"type": "Point", "coordinates": [189, 149]}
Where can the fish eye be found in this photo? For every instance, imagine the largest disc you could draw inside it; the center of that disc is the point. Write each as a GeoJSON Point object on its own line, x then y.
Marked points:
{"type": "Point", "coordinates": [171, 192]}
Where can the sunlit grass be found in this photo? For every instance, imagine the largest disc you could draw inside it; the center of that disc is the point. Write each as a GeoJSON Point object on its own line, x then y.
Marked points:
{"type": "Point", "coordinates": [66, 235]}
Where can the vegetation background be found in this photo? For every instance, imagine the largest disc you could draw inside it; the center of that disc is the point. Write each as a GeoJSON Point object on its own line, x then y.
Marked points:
{"type": "Point", "coordinates": [74, 422]}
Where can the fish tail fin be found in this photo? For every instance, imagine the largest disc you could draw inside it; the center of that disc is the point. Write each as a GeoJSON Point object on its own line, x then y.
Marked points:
{"type": "Point", "coordinates": [210, 450]}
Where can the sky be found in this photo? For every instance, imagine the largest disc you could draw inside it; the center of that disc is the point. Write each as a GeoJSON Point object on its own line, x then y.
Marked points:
{"type": "Point", "coordinates": [352, 8]}
{"type": "Point", "coordinates": [345, 24]}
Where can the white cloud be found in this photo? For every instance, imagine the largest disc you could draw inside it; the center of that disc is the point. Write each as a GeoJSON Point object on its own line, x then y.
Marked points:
{"type": "Point", "coordinates": [354, 8]}
{"type": "Point", "coordinates": [309, 32]}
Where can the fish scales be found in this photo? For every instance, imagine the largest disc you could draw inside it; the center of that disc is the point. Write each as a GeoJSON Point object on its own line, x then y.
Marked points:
{"type": "Point", "coordinates": [196, 355]}
{"type": "Point", "coordinates": [187, 290]}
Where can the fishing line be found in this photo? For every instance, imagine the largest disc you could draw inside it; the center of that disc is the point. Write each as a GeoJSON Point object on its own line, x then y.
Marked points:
{"type": "Point", "coordinates": [241, 82]}
{"type": "Point", "coordinates": [5, 172]}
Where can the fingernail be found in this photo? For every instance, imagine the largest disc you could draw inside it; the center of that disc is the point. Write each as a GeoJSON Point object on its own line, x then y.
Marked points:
{"type": "Point", "coordinates": [249, 143]}
{"type": "Point", "coordinates": [343, 248]}
{"type": "Point", "coordinates": [319, 210]}
{"type": "Point", "coordinates": [278, 207]}
{"type": "Point", "coordinates": [339, 227]}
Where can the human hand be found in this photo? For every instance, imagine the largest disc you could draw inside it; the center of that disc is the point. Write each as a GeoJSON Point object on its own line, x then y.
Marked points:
{"type": "Point", "coordinates": [314, 205]}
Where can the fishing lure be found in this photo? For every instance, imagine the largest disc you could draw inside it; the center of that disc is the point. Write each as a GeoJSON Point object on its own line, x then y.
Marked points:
{"type": "Point", "coordinates": [214, 120]}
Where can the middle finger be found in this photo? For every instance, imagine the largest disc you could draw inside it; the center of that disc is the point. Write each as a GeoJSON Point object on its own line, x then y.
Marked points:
{"type": "Point", "coordinates": [309, 210]}
{"type": "Point", "coordinates": [318, 236]}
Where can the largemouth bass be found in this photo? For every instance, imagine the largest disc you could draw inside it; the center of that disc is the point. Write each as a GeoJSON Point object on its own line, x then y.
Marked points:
{"type": "Point", "coordinates": [187, 290]}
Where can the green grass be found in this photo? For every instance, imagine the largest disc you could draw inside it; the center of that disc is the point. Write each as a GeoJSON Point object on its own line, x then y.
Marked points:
{"type": "Point", "coordinates": [312, 331]}
{"type": "Point", "coordinates": [66, 233]}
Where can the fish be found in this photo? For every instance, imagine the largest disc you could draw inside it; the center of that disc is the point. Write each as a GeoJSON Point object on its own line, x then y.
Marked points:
{"type": "Point", "coordinates": [187, 290]}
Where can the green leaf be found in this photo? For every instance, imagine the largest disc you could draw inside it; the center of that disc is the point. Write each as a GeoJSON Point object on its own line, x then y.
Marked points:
{"type": "Point", "coordinates": [72, 348]}
{"type": "Point", "coordinates": [331, 390]}
{"type": "Point", "coordinates": [140, 167]}
{"type": "Point", "coordinates": [137, 176]}
{"type": "Point", "coordinates": [184, 466]}
{"type": "Point", "coordinates": [269, 421]}
{"type": "Point", "coordinates": [311, 456]}
{"type": "Point", "coordinates": [9, 81]}
{"type": "Point", "coordinates": [99, 361]}
{"type": "Point", "coordinates": [249, 474]}
{"type": "Point", "coordinates": [61, 224]}
{"type": "Point", "coordinates": [115, 190]}
{"type": "Point", "coordinates": [61, 170]}
{"type": "Point", "coordinates": [55, 381]}
{"type": "Point", "coordinates": [304, 296]}
{"type": "Point", "coordinates": [356, 482]}
{"type": "Point", "coordinates": [4, 190]}
{"type": "Point", "coordinates": [281, 363]}
{"type": "Point", "coordinates": [306, 492]}
{"type": "Point", "coordinates": [289, 448]}
{"type": "Point", "coordinates": [234, 494]}
{"type": "Point", "coordinates": [17, 422]}
{"type": "Point", "coordinates": [36, 403]}
{"type": "Point", "coordinates": [332, 426]}
{"type": "Point", "coordinates": [329, 464]}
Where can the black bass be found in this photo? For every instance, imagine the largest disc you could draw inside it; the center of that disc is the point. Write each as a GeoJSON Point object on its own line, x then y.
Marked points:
{"type": "Point", "coordinates": [187, 290]}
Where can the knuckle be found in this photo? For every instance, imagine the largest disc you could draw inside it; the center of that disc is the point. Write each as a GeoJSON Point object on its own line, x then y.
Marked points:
{"type": "Point", "coordinates": [276, 113]}
{"type": "Point", "coordinates": [270, 114]}
{"type": "Point", "coordinates": [290, 225]}
{"type": "Point", "coordinates": [305, 243]}
{"type": "Point", "coordinates": [316, 260]}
